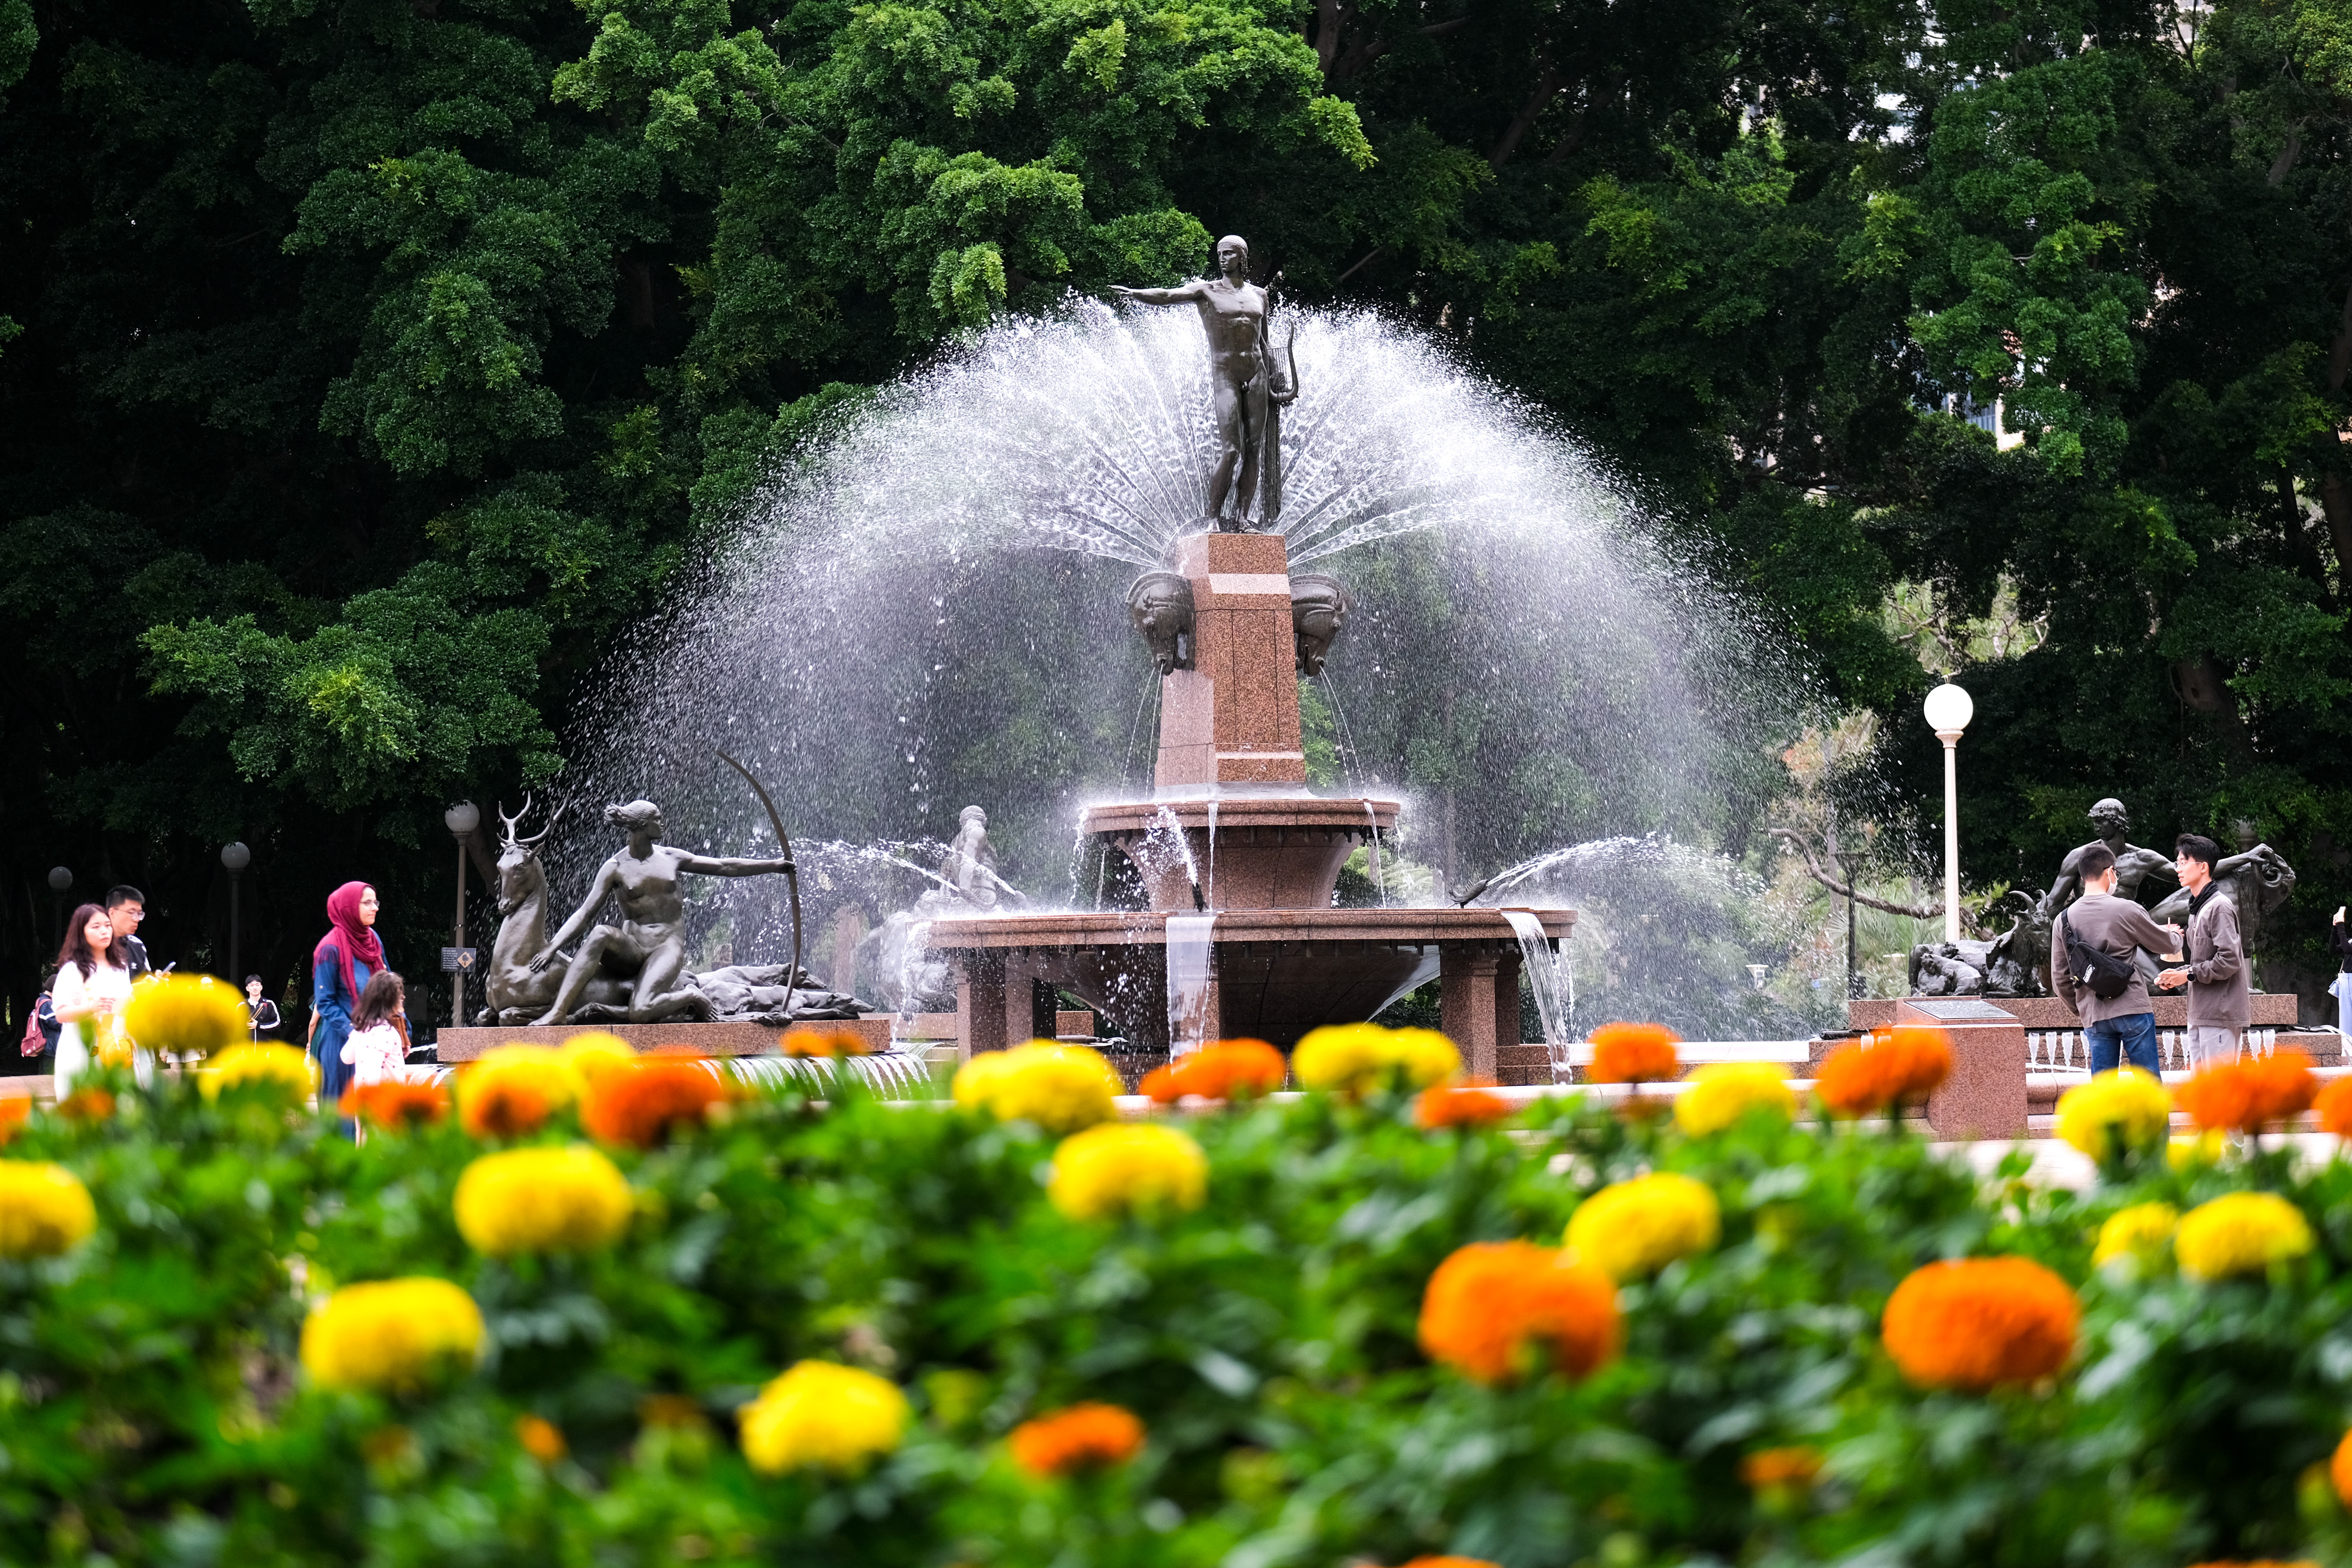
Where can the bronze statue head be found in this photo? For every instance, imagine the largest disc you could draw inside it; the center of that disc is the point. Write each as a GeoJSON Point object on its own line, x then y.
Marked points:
{"type": "Point", "coordinates": [2108, 818]}
{"type": "Point", "coordinates": [1319, 612]}
{"type": "Point", "coordinates": [1160, 604]}
{"type": "Point", "coordinates": [1233, 256]}
{"type": "Point", "coordinates": [636, 817]}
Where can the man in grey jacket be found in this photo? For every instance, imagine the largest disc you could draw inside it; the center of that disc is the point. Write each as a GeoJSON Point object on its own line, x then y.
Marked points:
{"type": "Point", "coordinates": [2120, 1028]}
{"type": "Point", "coordinates": [2219, 1004]}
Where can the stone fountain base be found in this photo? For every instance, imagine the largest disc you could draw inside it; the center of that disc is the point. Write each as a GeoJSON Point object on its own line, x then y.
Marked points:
{"type": "Point", "coordinates": [740, 1038]}
{"type": "Point", "coordinates": [1274, 974]}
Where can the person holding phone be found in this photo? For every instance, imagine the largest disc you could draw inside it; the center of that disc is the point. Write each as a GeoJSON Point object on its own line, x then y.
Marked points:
{"type": "Point", "coordinates": [2214, 970]}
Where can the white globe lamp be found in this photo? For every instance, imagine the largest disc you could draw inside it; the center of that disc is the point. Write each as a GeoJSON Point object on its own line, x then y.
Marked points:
{"type": "Point", "coordinates": [1949, 710]}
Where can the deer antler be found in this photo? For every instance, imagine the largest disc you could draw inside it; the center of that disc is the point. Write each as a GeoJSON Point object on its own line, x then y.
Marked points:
{"type": "Point", "coordinates": [515, 820]}
{"type": "Point", "coordinates": [552, 817]}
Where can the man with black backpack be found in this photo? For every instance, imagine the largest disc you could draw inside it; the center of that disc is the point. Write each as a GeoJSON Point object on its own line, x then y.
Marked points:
{"type": "Point", "coordinates": [2092, 950]}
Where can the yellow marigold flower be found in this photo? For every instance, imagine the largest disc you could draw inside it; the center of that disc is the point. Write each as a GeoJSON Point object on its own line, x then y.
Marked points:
{"type": "Point", "coordinates": [542, 1200]}
{"type": "Point", "coordinates": [289, 1067]}
{"type": "Point", "coordinates": [182, 1013]}
{"type": "Point", "coordinates": [556, 1073]}
{"type": "Point", "coordinates": [1350, 1058]}
{"type": "Point", "coordinates": [1426, 1056]}
{"type": "Point", "coordinates": [2140, 1232]}
{"type": "Point", "coordinates": [392, 1336]}
{"type": "Point", "coordinates": [2239, 1233]}
{"type": "Point", "coordinates": [823, 1416]}
{"type": "Point", "coordinates": [1062, 1087]}
{"type": "Point", "coordinates": [1128, 1168]}
{"type": "Point", "coordinates": [2204, 1149]}
{"type": "Point", "coordinates": [584, 1056]}
{"type": "Point", "coordinates": [1717, 1096]}
{"type": "Point", "coordinates": [2125, 1109]}
{"type": "Point", "coordinates": [1638, 1226]}
{"type": "Point", "coordinates": [44, 1210]}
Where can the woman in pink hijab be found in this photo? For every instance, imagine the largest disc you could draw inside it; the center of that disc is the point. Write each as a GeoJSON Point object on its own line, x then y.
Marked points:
{"type": "Point", "coordinates": [340, 966]}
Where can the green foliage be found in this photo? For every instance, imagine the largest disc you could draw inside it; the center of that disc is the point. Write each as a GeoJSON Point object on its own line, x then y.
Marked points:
{"type": "Point", "coordinates": [153, 1407]}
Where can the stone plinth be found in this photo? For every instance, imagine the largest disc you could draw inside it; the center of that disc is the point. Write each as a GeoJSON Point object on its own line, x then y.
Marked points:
{"type": "Point", "coordinates": [1232, 717]}
{"type": "Point", "coordinates": [707, 1039]}
{"type": "Point", "coordinates": [2272, 1010]}
{"type": "Point", "coordinates": [1985, 1096]}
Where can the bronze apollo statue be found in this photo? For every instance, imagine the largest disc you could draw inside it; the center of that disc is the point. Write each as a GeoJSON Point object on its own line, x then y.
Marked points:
{"type": "Point", "coordinates": [1248, 389]}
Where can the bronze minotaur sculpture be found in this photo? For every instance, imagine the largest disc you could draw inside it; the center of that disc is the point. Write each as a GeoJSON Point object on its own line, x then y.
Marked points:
{"type": "Point", "coordinates": [1249, 387]}
{"type": "Point", "coordinates": [650, 942]}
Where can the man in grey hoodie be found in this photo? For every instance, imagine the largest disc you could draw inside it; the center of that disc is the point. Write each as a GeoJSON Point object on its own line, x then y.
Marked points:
{"type": "Point", "coordinates": [2220, 1002]}
{"type": "Point", "coordinates": [2120, 1028]}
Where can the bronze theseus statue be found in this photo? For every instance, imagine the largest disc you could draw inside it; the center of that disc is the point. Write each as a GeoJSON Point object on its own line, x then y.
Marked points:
{"type": "Point", "coordinates": [650, 943]}
{"type": "Point", "coordinates": [1248, 388]}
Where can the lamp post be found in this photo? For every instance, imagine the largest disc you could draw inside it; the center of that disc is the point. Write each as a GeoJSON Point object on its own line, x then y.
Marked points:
{"type": "Point", "coordinates": [235, 858]}
{"type": "Point", "coordinates": [461, 819]}
{"type": "Point", "coordinates": [1949, 710]}
{"type": "Point", "coordinates": [60, 879]}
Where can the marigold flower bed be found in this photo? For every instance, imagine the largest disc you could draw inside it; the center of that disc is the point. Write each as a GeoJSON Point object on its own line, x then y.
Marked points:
{"type": "Point", "coordinates": [603, 1310]}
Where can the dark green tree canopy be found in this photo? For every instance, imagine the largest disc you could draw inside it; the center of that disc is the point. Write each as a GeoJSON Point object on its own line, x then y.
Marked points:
{"type": "Point", "coordinates": [369, 366]}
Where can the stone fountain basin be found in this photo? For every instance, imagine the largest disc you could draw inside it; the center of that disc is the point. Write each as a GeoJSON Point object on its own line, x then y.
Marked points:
{"type": "Point", "coordinates": [1270, 851]}
{"type": "Point", "coordinates": [1277, 973]}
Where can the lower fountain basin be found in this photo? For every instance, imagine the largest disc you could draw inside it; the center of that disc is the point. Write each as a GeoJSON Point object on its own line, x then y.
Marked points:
{"type": "Point", "coordinates": [1275, 974]}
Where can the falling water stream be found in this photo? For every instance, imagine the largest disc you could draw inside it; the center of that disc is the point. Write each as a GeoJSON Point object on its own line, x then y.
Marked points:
{"type": "Point", "coordinates": [1190, 1025]}
{"type": "Point", "coordinates": [1554, 986]}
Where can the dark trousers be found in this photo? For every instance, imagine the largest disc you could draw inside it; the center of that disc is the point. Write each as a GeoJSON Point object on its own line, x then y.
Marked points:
{"type": "Point", "coordinates": [2131, 1037]}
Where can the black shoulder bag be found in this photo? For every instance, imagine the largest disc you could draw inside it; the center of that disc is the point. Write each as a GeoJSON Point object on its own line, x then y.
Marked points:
{"type": "Point", "coordinates": [2100, 972]}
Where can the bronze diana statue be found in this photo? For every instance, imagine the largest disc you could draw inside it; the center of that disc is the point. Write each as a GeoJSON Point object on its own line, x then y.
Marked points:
{"type": "Point", "coordinates": [1248, 387]}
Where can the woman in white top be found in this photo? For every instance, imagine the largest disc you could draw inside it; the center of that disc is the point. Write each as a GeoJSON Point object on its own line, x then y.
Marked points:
{"type": "Point", "coordinates": [87, 994]}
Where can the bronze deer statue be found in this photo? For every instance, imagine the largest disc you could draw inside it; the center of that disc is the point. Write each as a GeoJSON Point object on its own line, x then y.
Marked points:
{"type": "Point", "coordinates": [515, 995]}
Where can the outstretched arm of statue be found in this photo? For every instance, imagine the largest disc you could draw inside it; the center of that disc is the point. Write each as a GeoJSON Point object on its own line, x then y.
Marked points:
{"type": "Point", "coordinates": [732, 865]}
{"type": "Point", "coordinates": [580, 918]}
{"type": "Point", "coordinates": [1180, 295]}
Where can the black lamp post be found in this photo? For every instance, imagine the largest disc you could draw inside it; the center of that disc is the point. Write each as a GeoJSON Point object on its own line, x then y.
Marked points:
{"type": "Point", "coordinates": [60, 879]}
{"type": "Point", "coordinates": [235, 858]}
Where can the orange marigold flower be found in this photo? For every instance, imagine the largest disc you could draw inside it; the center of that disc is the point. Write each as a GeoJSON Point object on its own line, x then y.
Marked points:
{"type": "Point", "coordinates": [13, 1111]}
{"type": "Point", "coordinates": [1083, 1437]}
{"type": "Point", "coordinates": [1901, 1065]}
{"type": "Point", "coordinates": [506, 1103]}
{"type": "Point", "coordinates": [1228, 1070]}
{"type": "Point", "coordinates": [1452, 1562]}
{"type": "Point", "coordinates": [810, 1041]}
{"type": "Point", "coordinates": [395, 1104]}
{"type": "Point", "coordinates": [670, 1410]}
{"type": "Point", "coordinates": [1465, 1105]}
{"type": "Point", "coordinates": [1491, 1301]}
{"type": "Point", "coordinates": [1979, 1322]}
{"type": "Point", "coordinates": [2339, 1470]}
{"type": "Point", "coordinates": [640, 1104]}
{"type": "Point", "coordinates": [1792, 1467]}
{"type": "Point", "coordinates": [87, 1105]}
{"type": "Point", "coordinates": [542, 1438]}
{"type": "Point", "coordinates": [2250, 1094]}
{"type": "Point", "coordinates": [2334, 1104]}
{"type": "Point", "coordinates": [1635, 1053]}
